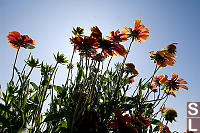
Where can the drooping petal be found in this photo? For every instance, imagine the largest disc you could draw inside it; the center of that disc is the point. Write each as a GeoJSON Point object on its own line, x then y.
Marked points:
{"type": "Point", "coordinates": [183, 86]}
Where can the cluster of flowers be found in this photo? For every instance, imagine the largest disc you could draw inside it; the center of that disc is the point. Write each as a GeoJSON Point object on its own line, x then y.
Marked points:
{"type": "Point", "coordinates": [168, 85]}
{"type": "Point", "coordinates": [110, 45]}
{"type": "Point", "coordinates": [98, 47]}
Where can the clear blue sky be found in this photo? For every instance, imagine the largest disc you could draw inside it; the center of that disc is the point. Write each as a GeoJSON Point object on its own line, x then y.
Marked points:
{"type": "Point", "coordinates": [49, 23]}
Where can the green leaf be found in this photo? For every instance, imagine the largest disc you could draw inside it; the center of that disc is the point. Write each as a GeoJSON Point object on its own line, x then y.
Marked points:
{"type": "Point", "coordinates": [34, 85]}
{"type": "Point", "coordinates": [156, 122]}
{"type": "Point", "coordinates": [156, 128]}
{"type": "Point", "coordinates": [29, 46]}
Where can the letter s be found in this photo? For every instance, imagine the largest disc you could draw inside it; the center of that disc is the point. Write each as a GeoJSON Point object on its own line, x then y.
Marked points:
{"type": "Point", "coordinates": [193, 107]}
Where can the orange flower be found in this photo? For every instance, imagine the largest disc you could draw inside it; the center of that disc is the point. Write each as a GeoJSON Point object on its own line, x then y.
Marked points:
{"type": "Point", "coordinates": [116, 37]}
{"type": "Point", "coordinates": [131, 67]}
{"type": "Point", "coordinates": [140, 33]}
{"type": "Point", "coordinates": [164, 129]}
{"type": "Point", "coordinates": [162, 109]}
{"type": "Point", "coordinates": [174, 84]}
{"type": "Point", "coordinates": [153, 87]}
{"type": "Point", "coordinates": [16, 40]}
{"type": "Point", "coordinates": [162, 58]}
{"type": "Point", "coordinates": [160, 79]}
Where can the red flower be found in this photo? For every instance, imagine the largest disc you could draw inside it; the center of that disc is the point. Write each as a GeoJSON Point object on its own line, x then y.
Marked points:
{"type": "Point", "coordinates": [85, 45]}
{"type": "Point", "coordinates": [16, 40]}
{"type": "Point", "coordinates": [96, 33]}
{"type": "Point", "coordinates": [143, 119]}
{"type": "Point", "coordinates": [113, 124]}
{"type": "Point", "coordinates": [116, 37]}
{"type": "Point", "coordinates": [110, 49]}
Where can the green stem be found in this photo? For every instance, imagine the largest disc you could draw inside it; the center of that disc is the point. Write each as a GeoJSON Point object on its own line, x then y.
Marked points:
{"type": "Point", "coordinates": [122, 69]}
{"type": "Point", "coordinates": [108, 64]}
{"type": "Point", "coordinates": [13, 71]}
{"type": "Point", "coordinates": [66, 83]}
{"type": "Point", "coordinates": [43, 96]}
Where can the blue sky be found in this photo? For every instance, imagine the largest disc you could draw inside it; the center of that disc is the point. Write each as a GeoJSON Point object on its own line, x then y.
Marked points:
{"type": "Point", "coordinates": [49, 23]}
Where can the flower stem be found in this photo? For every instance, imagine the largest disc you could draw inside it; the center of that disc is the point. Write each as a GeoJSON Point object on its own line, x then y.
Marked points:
{"type": "Point", "coordinates": [13, 71]}
{"type": "Point", "coordinates": [66, 83]}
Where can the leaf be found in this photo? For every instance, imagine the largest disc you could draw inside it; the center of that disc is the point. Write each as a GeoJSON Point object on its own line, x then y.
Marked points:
{"type": "Point", "coordinates": [34, 98]}
{"type": "Point", "coordinates": [34, 85]}
{"type": "Point", "coordinates": [156, 122]}
{"type": "Point", "coordinates": [156, 128]}
{"type": "Point", "coordinates": [29, 46]}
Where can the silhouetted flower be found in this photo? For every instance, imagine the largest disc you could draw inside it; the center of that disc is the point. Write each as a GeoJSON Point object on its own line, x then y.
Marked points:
{"type": "Point", "coordinates": [110, 49]}
{"type": "Point", "coordinates": [169, 114]}
{"type": "Point", "coordinates": [117, 37]}
{"type": "Point", "coordinates": [77, 31]}
{"type": "Point", "coordinates": [162, 58]}
{"type": "Point", "coordinates": [85, 45]}
{"type": "Point", "coordinates": [131, 67]}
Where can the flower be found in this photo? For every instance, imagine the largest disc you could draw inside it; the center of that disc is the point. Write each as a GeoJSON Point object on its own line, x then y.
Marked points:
{"type": "Point", "coordinates": [123, 123]}
{"type": "Point", "coordinates": [60, 58]}
{"type": "Point", "coordinates": [160, 79]}
{"type": "Point", "coordinates": [32, 62]}
{"type": "Point", "coordinates": [164, 129]}
{"type": "Point", "coordinates": [171, 48]}
{"type": "Point", "coordinates": [110, 49]}
{"type": "Point", "coordinates": [169, 114]}
{"type": "Point", "coordinates": [16, 40]}
{"type": "Point", "coordinates": [77, 31]}
{"type": "Point", "coordinates": [174, 84]}
{"type": "Point", "coordinates": [153, 86]}
{"type": "Point", "coordinates": [143, 119]}
{"type": "Point", "coordinates": [116, 37]}
{"type": "Point", "coordinates": [162, 109]}
{"type": "Point", "coordinates": [131, 67]}
{"type": "Point", "coordinates": [140, 33]}
{"type": "Point", "coordinates": [85, 45]}
{"type": "Point", "coordinates": [96, 33]}
{"type": "Point", "coordinates": [162, 58]}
